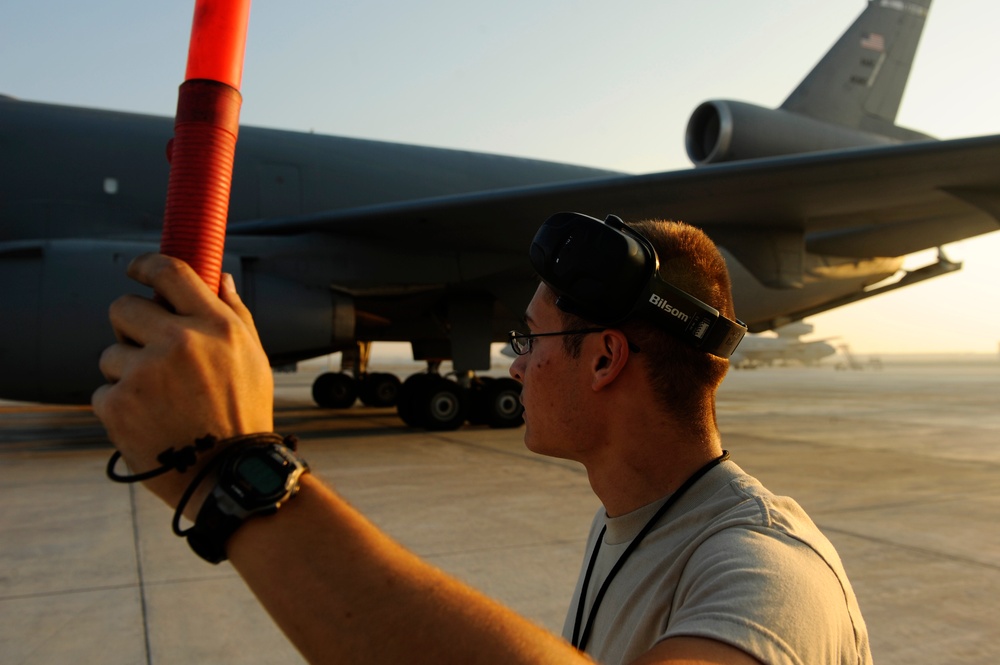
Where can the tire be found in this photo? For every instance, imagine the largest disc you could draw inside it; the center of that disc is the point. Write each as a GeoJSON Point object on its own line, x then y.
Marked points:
{"type": "Point", "coordinates": [380, 389]}
{"type": "Point", "coordinates": [501, 403]}
{"type": "Point", "coordinates": [407, 398]}
{"type": "Point", "coordinates": [335, 390]}
{"type": "Point", "coordinates": [477, 400]}
{"type": "Point", "coordinates": [441, 404]}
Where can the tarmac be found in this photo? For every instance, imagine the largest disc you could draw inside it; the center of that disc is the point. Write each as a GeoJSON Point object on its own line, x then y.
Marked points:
{"type": "Point", "coordinates": [899, 466]}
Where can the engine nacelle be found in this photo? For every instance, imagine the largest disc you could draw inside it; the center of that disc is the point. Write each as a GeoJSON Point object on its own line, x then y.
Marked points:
{"type": "Point", "coordinates": [725, 131]}
{"type": "Point", "coordinates": [55, 308]}
{"type": "Point", "coordinates": [55, 314]}
{"type": "Point", "coordinates": [294, 321]}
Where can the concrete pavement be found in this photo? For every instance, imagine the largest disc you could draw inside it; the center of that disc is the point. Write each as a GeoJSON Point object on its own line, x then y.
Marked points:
{"type": "Point", "coordinates": [900, 467]}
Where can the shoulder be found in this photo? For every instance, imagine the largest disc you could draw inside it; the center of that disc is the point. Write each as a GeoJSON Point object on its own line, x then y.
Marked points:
{"type": "Point", "coordinates": [762, 575]}
{"type": "Point", "coordinates": [761, 542]}
{"type": "Point", "coordinates": [736, 499]}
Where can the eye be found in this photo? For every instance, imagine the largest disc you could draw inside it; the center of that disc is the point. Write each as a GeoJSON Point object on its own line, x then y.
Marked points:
{"type": "Point", "coordinates": [520, 342]}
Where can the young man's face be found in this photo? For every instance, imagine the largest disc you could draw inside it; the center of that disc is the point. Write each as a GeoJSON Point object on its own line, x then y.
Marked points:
{"type": "Point", "coordinates": [552, 381]}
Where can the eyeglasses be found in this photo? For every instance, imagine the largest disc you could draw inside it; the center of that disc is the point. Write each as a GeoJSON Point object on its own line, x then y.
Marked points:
{"type": "Point", "coordinates": [521, 342]}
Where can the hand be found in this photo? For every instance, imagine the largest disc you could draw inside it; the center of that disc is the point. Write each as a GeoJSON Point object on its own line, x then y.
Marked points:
{"type": "Point", "coordinates": [177, 376]}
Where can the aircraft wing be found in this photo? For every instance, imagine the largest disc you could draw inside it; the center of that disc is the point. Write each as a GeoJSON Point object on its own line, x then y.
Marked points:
{"type": "Point", "coordinates": [863, 202]}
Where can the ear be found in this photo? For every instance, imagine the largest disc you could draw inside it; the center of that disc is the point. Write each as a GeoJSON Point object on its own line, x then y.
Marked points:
{"type": "Point", "coordinates": [609, 358]}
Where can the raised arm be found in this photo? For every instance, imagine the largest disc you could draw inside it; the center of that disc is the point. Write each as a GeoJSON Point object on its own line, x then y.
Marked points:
{"type": "Point", "coordinates": [341, 590]}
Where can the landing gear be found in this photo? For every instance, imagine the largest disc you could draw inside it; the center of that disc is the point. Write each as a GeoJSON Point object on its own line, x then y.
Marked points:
{"type": "Point", "coordinates": [436, 403]}
{"type": "Point", "coordinates": [496, 402]}
{"type": "Point", "coordinates": [380, 389]}
{"type": "Point", "coordinates": [335, 390]}
{"type": "Point", "coordinates": [432, 402]}
{"type": "Point", "coordinates": [427, 400]}
{"type": "Point", "coordinates": [339, 390]}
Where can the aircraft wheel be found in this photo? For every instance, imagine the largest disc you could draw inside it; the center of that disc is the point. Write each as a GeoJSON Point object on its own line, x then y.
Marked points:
{"type": "Point", "coordinates": [380, 389]}
{"type": "Point", "coordinates": [440, 404]}
{"type": "Point", "coordinates": [408, 397]}
{"type": "Point", "coordinates": [477, 400]}
{"type": "Point", "coordinates": [501, 403]}
{"type": "Point", "coordinates": [335, 390]}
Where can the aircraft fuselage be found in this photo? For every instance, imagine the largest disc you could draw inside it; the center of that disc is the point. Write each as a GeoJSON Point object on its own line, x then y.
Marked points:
{"type": "Point", "coordinates": [84, 190]}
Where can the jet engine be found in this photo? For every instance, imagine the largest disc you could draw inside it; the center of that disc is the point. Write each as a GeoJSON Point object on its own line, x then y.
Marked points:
{"type": "Point", "coordinates": [726, 131]}
{"type": "Point", "coordinates": [55, 304]}
{"type": "Point", "coordinates": [55, 314]}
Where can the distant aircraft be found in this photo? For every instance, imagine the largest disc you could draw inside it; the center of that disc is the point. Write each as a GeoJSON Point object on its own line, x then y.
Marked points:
{"type": "Point", "coordinates": [337, 243]}
{"type": "Point", "coordinates": [783, 348]}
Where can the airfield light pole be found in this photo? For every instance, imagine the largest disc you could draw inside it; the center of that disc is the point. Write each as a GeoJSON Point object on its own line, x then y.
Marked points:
{"type": "Point", "coordinates": [203, 148]}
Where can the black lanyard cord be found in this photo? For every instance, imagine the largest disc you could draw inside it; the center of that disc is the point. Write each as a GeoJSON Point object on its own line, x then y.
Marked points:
{"type": "Point", "coordinates": [580, 641]}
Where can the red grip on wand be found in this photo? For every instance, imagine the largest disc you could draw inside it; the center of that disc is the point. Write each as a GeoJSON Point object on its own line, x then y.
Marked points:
{"type": "Point", "coordinates": [204, 144]}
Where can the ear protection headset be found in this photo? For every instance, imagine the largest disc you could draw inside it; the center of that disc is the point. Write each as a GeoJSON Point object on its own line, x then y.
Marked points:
{"type": "Point", "coordinates": [606, 272]}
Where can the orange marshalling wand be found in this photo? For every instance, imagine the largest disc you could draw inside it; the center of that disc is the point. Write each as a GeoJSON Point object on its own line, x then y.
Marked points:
{"type": "Point", "coordinates": [202, 151]}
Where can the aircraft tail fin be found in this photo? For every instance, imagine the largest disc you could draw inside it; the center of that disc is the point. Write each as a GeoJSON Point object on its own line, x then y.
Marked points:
{"type": "Point", "coordinates": [859, 83]}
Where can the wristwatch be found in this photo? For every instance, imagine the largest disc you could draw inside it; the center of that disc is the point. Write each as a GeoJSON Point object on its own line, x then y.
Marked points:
{"type": "Point", "coordinates": [251, 482]}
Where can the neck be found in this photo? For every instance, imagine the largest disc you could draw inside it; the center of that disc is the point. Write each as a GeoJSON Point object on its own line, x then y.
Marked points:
{"type": "Point", "coordinates": [640, 468]}
{"type": "Point", "coordinates": [635, 450]}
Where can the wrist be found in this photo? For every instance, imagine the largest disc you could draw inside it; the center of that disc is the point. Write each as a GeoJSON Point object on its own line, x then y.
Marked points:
{"type": "Point", "coordinates": [252, 479]}
{"type": "Point", "coordinates": [227, 482]}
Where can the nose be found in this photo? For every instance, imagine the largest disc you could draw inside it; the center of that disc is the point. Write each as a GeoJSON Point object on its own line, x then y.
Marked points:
{"type": "Point", "coordinates": [517, 369]}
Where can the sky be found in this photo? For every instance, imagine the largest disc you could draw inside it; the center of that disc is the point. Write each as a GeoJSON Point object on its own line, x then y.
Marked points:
{"type": "Point", "coordinates": [601, 84]}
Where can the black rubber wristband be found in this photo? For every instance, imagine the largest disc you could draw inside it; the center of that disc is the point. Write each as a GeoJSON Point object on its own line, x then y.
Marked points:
{"type": "Point", "coordinates": [215, 523]}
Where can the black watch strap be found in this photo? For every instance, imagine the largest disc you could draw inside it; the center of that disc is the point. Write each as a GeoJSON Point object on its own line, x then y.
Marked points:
{"type": "Point", "coordinates": [250, 481]}
{"type": "Point", "coordinates": [211, 531]}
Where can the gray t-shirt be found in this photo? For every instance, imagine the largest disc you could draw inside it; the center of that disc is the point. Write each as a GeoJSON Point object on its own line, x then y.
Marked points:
{"type": "Point", "coordinates": [731, 562]}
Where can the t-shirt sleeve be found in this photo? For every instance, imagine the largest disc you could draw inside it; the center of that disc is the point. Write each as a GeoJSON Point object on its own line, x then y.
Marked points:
{"type": "Point", "coordinates": [764, 592]}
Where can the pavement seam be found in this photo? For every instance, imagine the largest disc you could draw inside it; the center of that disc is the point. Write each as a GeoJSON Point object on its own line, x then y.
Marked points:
{"type": "Point", "coordinates": [139, 573]}
{"type": "Point", "coordinates": [64, 592]}
{"type": "Point", "coordinates": [911, 548]}
{"type": "Point", "coordinates": [524, 455]}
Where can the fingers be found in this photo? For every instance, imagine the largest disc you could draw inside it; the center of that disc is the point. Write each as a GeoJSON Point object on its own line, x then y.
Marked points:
{"type": "Point", "coordinates": [115, 360]}
{"type": "Point", "coordinates": [136, 320]}
{"type": "Point", "coordinates": [175, 281]}
{"type": "Point", "coordinates": [176, 374]}
{"type": "Point", "coordinates": [99, 398]}
{"type": "Point", "coordinates": [228, 294]}
{"type": "Point", "coordinates": [139, 321]}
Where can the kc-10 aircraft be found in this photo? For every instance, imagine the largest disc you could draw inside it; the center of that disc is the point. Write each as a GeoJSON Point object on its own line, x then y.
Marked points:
{"type": "Point", "coordinates": [784, 347]}
{"type": "Point", "coordinates": [337, 243]}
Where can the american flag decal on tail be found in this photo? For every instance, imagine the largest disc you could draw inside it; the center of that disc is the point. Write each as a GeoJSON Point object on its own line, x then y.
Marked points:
{"type": "Point", "coordinates": [873, 41]}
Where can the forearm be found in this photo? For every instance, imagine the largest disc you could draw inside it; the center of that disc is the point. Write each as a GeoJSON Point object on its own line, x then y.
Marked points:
{"type": "Point", "coordinates": [342, 591]}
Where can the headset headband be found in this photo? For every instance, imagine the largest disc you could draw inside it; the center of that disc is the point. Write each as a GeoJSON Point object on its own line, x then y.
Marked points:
{"type": "Point", "coordinates": [606, 272]}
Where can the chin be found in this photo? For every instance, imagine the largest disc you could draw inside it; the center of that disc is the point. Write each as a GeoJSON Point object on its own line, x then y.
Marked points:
{"type": "Point", "coordinates": [537, 444]}
{"type": "Point", "coordinates": [530, 440]}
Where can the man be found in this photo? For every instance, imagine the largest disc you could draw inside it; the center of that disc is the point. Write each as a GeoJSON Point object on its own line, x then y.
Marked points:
{"type": "Point", "coordinates": [696, 564]}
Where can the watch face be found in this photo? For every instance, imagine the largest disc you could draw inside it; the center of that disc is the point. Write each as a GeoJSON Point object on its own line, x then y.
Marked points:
{"type": "Point", "coordinates": [261, 476]}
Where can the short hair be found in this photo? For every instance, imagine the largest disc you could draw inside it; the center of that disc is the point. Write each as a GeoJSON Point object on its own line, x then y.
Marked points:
{"type": "Point", "coordinates": [683, 378]}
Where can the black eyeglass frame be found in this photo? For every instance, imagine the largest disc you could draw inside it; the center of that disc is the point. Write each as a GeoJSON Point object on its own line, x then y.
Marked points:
{"type": "Point", "coordinates": [516, 338]}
